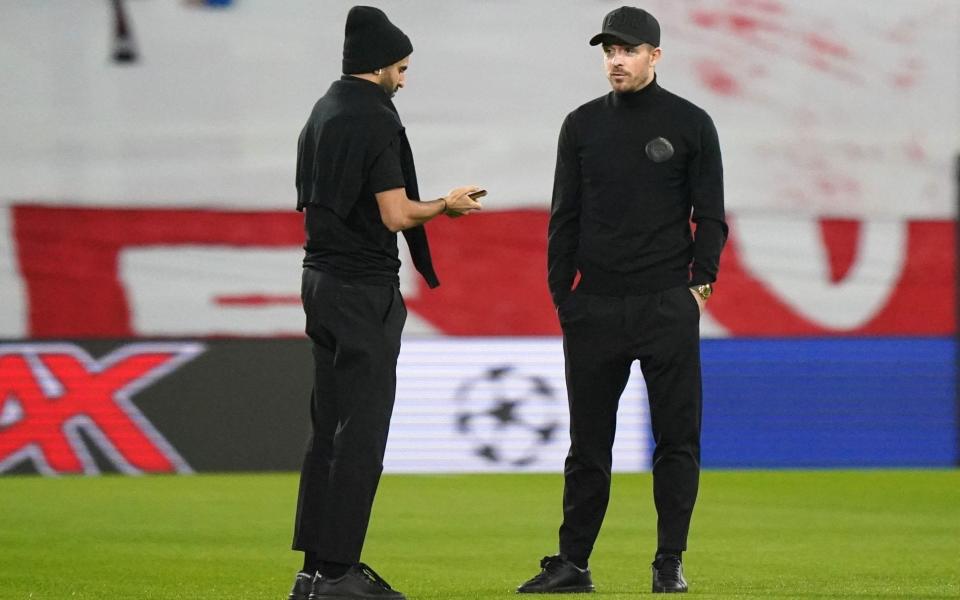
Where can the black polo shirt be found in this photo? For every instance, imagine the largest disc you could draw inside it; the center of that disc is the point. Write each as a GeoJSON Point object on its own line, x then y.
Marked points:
{"type": "Point", "coordinates": [358, 248]}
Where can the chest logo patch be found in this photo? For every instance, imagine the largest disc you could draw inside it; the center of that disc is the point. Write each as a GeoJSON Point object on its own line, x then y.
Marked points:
{"type": "Point", "coordinates": [659, 149]}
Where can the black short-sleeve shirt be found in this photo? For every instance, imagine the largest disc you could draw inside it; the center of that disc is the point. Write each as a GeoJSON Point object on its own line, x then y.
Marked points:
{"type": "Point", "coordinates": [358, 248]}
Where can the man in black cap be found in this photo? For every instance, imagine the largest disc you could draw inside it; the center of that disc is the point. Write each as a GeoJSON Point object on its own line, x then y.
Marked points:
{"type": "Point", "coordinates": [633, 168]}
{"type": "Point", "coordinates": [357, 187]}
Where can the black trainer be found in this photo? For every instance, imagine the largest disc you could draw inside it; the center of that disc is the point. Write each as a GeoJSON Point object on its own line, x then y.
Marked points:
{"type": "Point", "coordinates": [359, 582]}
{"type": "Point", "coordinates": [302, 586]}
{"type": "Point", "coordinates": [668, 575]}
{"type": "Point", "coordinates": [558, 576]}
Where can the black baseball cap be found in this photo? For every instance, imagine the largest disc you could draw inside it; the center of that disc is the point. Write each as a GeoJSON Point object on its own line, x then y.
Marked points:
{"type": "Point", "coordinates": [633, 26]}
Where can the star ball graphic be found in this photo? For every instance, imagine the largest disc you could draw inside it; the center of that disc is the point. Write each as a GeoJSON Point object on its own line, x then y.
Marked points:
{"type": "Point", "coordinates": [508, 415]}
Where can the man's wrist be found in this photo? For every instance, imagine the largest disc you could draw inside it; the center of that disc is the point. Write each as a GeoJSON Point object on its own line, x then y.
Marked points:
{"type": "Point", "coordinates": [704, 290]}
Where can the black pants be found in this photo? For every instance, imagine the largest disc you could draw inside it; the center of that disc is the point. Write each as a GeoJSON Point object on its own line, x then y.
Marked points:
{"type": "Point", "coordinates": [355, 331]}
{"type": "Point", "coordinates": [602, 336]}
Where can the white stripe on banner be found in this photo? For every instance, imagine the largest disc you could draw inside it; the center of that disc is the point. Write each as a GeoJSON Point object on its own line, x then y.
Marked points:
{"type": "Point", "coordinates": [13, 314]}
{"type": "Point", "coordinates": [497, 404]}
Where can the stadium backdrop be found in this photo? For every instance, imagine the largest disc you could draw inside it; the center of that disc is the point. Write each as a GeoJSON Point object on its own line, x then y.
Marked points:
{"type": "Point", "coordinates": [149, 256]}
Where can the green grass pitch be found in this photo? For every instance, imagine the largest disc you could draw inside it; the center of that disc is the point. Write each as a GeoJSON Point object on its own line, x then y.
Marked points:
{"type": "Point", "coordinates": [756, 534]}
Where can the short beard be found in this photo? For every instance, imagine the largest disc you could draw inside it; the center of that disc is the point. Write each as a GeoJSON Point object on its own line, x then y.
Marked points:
{"type": "Point", "coordinates": [389, 89]}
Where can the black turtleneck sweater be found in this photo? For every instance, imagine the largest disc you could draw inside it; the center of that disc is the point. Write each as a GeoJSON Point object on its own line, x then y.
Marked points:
{"type": "Point", "coordinates": [632, 171]}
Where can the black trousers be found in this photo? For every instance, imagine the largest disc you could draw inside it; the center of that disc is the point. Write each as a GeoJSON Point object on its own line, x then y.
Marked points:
{"type": "Point", "coordinates": [602, 336]}
{"type": "Point", "coordinates": [355, 330]}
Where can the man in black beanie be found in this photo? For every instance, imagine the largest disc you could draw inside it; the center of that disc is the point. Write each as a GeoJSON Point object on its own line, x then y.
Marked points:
{"type": "Point", "coordinates": [357, 187]}
{"type": "Point", "coordinates": [634, 167]}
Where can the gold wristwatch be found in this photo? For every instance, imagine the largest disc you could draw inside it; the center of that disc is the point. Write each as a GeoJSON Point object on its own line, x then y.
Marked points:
{"type": "Point", "coordinates": [703, 291]}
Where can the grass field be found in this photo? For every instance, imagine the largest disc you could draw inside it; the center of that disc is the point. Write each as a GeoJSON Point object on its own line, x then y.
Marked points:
{"type": "Point", "coordinates": [833, 534]}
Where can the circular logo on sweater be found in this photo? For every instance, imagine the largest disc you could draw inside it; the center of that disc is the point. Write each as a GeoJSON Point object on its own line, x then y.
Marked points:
{"type": "Point", "coordinates": [659, 149]}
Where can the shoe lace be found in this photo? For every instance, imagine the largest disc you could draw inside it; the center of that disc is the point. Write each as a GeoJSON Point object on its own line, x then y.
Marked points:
{"type": "Point", "coordinates": [548, 566]}
{"type": "Point", "coordinates": [370, 574]}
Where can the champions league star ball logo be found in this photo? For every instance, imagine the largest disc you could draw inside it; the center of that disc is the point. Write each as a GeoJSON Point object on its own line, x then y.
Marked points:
{"type": "Point", "coordinates": [508, 416]}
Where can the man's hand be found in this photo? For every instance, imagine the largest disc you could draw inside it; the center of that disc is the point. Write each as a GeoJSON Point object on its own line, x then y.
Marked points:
{"type": "Point", "coordinates": [700, 301]}
{"type": "Point", "coordinates": [460, 203]}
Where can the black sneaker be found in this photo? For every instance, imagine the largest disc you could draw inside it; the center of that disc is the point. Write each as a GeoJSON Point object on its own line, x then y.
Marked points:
{"type": "Point", "coordinates": [302, 586]}
{"type": "Point", "coordinates": [668, 575]}
{"type": "Point", "coordinates": [558, 576]}
{"type": "Point", "coordinates": [360, 581]}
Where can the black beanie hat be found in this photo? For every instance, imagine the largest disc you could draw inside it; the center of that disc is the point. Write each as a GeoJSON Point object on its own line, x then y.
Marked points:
{"type": "Point", "coordinates": [372, 41]}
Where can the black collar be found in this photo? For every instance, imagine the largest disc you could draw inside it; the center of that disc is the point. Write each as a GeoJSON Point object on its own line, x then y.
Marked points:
{"type": "Point", "coordinates": [356, 89]}
{"type": "Point", "coordinates": [639, 98]}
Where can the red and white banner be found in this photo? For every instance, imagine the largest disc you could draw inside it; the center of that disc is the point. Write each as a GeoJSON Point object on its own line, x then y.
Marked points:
{"type": "Point", "coordinates": [88, 272]}
{"type": "Point", "coordinates": [121, 186]}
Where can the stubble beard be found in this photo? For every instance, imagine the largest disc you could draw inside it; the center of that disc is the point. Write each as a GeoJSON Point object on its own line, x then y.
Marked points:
{"type": "Point", "coordinates": [629, 84]}
{"type": "Point", "coordinates": [389, 87]}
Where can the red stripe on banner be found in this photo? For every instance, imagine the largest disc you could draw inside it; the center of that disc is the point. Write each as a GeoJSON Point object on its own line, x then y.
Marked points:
{"type": "Point", "coordinates": [492, 268]}
{"type": "Point", "coordinates": [493, 275]}
{"type": "Point", "coordinates": [68, 257]}
{"type": "Point", "coordinates": [840, 238]}
{"type": "Point", "coordinates": [256, 300]}
{"type": "Point", "coordinates": [925, 299]}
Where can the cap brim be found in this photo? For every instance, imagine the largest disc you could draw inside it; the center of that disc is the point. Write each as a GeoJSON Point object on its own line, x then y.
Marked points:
{"type": "Point", "coordinates": [614, 37]}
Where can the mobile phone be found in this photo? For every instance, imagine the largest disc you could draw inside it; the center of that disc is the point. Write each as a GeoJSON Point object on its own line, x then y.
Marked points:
{"type": "Point", "coordinates": [478, 194]}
